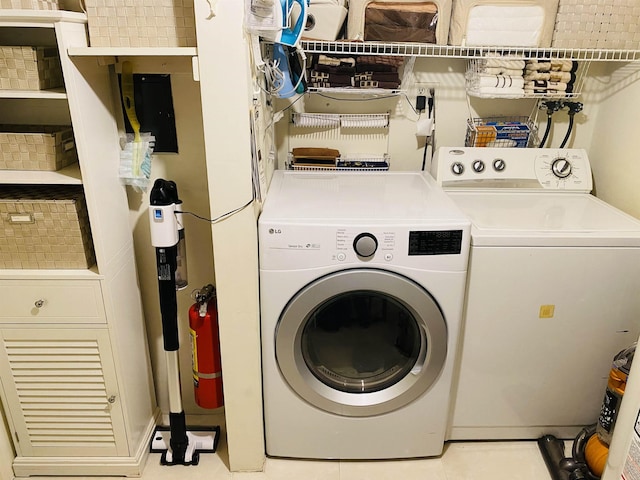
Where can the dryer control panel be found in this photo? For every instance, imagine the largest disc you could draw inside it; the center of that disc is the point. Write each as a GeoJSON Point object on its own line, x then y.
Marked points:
{"type": "Point", "coordinates": [514, 168]}
{"type": "Point", "coordinates": [285, 246]}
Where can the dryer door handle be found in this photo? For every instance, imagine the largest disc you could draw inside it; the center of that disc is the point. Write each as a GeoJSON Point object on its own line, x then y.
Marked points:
{"type": "Point", "coordinates": [422, 356]}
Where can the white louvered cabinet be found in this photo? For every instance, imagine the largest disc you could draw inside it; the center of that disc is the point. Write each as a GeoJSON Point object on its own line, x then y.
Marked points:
{"type": "Point", "coordinates": [61, 392]}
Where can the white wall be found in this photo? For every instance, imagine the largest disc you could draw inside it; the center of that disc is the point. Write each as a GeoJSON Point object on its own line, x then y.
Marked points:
{"type": "Point", "coordinates": [613, 149]}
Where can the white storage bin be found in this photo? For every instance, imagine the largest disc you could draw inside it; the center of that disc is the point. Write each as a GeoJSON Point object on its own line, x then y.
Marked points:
{"type": "Point", "coordinates": [601, 24]}
{"type": "Point", "coordinates": [503, 23]}
{"type": "Point", "coordinates": [399, 21]}
{"type": "Point", "coordinates": [324, 20]}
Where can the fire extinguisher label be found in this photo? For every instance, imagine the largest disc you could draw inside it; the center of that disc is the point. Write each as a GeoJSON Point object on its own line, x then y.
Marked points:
{"type": "Point", "coordinates": [194, 356]}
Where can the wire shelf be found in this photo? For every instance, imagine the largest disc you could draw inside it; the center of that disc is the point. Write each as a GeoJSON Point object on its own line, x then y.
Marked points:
{"type": "Point", "coordinates": [347, 163]}
{"type": "Point", "coordinates": [340, 120]}
{"type": "Point", "coordinates": [431, 50]}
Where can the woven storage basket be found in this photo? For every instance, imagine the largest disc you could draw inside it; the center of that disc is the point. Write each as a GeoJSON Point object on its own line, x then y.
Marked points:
{"type": "Point", "coordinates": [144, 23]}
{"type": "Point", "coordinates": [30, 4]}
{"type": "Point", "coordinates": [44, 227]}
{"type": "Point", "coordinates": [30, 68]}
{"type": "Point", "coordinates": [36, 147]}
{"type": "Point", "coordinates": [602, 24]}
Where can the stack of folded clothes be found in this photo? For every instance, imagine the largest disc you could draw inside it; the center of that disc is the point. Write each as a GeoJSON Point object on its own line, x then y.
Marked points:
{"type": "Point", "coordinates": [553, 77]}
{"type": "Point", "coordinates": [377, 72]}
{"type": "Point", "coordinates": [355, 72]}
{"type": "Point", "coordinates": [498, 76]}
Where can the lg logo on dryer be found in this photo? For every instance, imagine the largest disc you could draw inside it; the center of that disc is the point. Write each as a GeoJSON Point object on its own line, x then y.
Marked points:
{"type": "Point", "coordinates": [274, 231]}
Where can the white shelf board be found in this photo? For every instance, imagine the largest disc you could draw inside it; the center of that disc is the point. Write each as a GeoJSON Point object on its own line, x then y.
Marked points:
{"type": "Point", "coordinates": [67, 176]}
{"type": "Point", "coordinates": [133, 52]}
{"type": "Point", "coordinates": [38, 18]}
{"type": "Point", "coordinates": [53, 93]}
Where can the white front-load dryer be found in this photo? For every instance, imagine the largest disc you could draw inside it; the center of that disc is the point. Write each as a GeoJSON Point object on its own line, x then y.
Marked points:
{"type": "Point", "coordinates": [362, 279]}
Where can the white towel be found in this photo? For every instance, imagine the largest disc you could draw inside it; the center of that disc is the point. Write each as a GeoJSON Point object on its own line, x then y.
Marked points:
{"type": "Point", "coordinates": [500, 81]}
{"type": "Point", "coordinates": [511, 64]}
{"type": "Point", "coordinates": [500, 71]}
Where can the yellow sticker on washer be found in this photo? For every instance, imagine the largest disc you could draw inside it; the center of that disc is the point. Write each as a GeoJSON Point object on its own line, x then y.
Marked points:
{"type": "Point", "coordinates": [546, 311]}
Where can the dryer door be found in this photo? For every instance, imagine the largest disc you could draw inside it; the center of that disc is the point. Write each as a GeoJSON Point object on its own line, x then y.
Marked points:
{"type": "Point", "coordinates": [361, 342]}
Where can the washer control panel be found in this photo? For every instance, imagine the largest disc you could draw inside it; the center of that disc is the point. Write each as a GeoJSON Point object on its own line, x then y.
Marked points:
{"type": "Point", "coordinates": [532, 168]}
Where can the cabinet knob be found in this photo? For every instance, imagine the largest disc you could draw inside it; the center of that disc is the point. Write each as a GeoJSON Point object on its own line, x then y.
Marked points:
{"type": "Point", "coordinates": [39, 303]}
{"type": "Point", "coordinates": [111, 399]}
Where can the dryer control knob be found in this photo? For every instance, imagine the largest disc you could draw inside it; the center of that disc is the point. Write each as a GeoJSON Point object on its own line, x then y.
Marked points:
{"type": "Point", "coordinates": [561, 167]}
{"type": "Point", "coordinates": [365, 245]}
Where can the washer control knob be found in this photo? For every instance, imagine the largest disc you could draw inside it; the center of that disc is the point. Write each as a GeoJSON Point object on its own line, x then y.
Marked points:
{"type": "Point", "coordinates": [457, 168]}
{"type": "Point", "coordinates": [561, 167]}
{"type": "Point", "coordinates": [499, 165]}
{"type": "Point", "coordinates": [478, 166]}
{"type": "Point", "coordinates": [365, 245]}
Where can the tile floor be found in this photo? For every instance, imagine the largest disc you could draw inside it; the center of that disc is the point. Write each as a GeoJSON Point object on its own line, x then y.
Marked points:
{"type": "Point", "coordinates": [460, 461]}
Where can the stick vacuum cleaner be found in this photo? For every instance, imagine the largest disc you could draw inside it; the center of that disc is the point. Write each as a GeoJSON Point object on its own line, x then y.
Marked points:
{"type": "Point", "coordinates": [179, 444]}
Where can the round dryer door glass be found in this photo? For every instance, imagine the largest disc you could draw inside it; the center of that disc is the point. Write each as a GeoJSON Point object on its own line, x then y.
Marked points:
{"type": "Point", "coordinates": [361, 342]}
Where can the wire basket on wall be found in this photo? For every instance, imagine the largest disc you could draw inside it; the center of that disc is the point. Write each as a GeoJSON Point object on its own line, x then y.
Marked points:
{"type": "Point", "coordinates": [501, 132]}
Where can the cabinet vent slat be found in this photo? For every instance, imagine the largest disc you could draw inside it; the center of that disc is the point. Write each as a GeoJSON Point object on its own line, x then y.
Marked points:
{"type": "Point", "coordinates": [75, 386]}
{"type": "Point", "coordinates": [41, 415]}
{"type": "Point", "coordinates": [72, 402]}
{"type": "Point", "coordinates": [75, 422]}
{"type": "Point", "coordinates": [53, 357]}
{"type": "Point", "coordinates": [61, 379]}
{"type": "Point", "coordinates": [75, 445]}
{"type": "Point", "coordinates": [57, 364]}
{"type": "Point", "coordinates": [19, 350]}
{"type": "Point", "coordinates": [12, 344]}
{"type": "Point", "coordinates": [62, 406]}
{"type": "Point", "coordinates": [61, 389]}
{"type": "Point", "coordinates": [50, 373]}
{"type": "Point", "coordinates": [85, 394]}
{"type": "Point", "coordinates": [50, 433]}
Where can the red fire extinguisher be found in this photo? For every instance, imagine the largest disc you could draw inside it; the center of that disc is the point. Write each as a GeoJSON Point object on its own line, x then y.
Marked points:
{"type": "Point", "coordinates": [205, 349]}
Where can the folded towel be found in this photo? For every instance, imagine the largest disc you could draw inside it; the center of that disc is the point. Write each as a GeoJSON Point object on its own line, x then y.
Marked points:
{"type": "Point", "coordinates": [566, 77]}
{"type": "Point", "coordinates": [558, 65]}
{"type": "Point", "coordinates": [500, 81]}
{"type": "Point", "coordinates": [546, 85]}
{"type": "Point", "coordinates": [511, 64]}
{"type": "Point", "coordinates": [534, 65]}
{"type": "Point", "coordinates": [500, 71]}
{"type": "Point", "coordinates": [335, 61]}
{"type": "Point", "coordinates": [376, 84]}
{"type": "Point", "coordinates": [555, 65]}
{"type": "Point", "coordinates": [379, 76]}
{"type": "Point", "coordinates": [329, 85]}
{"type": "Point", "coordinates": [343, 69]}
{"type": "Point", "coordinates": [395, 62]}
{"type": "Point", "coordinates": [330, 77]}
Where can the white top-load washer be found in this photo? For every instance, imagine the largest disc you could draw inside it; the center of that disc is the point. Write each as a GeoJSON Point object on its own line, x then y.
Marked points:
{"type": "Point", "coordinates": [552, 293]}
{"type": "Point", "coordinates": [362, 281]}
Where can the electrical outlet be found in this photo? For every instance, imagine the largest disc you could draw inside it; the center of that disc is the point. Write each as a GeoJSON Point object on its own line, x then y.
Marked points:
{"type": "Point", "coordinates": [422, 89]}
